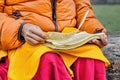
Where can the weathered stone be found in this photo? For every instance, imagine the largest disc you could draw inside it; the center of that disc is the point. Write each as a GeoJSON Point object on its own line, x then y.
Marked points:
{"type": "Point", "coordinates": [112, 52]}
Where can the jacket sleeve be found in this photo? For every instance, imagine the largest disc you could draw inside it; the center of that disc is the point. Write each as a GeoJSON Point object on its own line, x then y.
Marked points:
{"type": "Point", "coordinates": [91, 24]}
{"type": "Point", "coordinates": [9, 32]}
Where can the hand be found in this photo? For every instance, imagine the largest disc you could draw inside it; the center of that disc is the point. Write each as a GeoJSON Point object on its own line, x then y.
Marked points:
{"type": "Point", "coordinates": [33, 34]}
{"type": "Point", "coordinates": [103, 41]}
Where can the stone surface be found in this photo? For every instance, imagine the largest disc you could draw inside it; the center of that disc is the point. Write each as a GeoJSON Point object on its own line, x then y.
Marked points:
{"type": "Point", "coordinates": [112, 52]}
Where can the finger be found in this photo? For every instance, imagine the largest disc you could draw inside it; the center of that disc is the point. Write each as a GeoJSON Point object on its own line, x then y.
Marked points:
{"type": "Point", "coordinates": [97, 42]}
{"type": "Point", "coordinates": [39, 32]}
{"type": "Point", "coordinates": [90, 41]}
{"type": "Point", "coordinates": [105, 31]}
{"type": "Point", "coordinates": [36, 37]}
{"type": "Point", "coordinates": [31, 41]}
{"type": "Point", "coordinates": [104, 39]}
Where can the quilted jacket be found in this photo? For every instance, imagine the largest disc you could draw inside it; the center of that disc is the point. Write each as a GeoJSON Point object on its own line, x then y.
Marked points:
{"type": "Point", "coordinates": [49, 16]}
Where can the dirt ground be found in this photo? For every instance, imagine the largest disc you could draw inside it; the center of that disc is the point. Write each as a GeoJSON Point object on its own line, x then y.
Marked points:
{"type": "Point", "coordinates": [112, 52]}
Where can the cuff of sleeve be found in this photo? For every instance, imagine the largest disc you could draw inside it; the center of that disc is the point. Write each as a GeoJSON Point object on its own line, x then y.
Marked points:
{"type": "Point", "coordinates": [98, 31]}
{"type": "Point", "coordinates": [20, 37]}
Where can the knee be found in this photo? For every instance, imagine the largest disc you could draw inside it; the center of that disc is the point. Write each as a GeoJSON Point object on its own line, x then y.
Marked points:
{"type": "Point", "coordinates": [50, 57]}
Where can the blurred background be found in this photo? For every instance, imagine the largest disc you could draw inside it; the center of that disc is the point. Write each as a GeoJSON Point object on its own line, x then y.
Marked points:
{"type": "Point", "coordinates": [108, 13]}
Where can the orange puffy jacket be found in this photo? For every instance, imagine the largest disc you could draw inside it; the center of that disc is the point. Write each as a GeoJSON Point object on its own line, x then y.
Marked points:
{"type": "Point", "coordinates": [49, 16]}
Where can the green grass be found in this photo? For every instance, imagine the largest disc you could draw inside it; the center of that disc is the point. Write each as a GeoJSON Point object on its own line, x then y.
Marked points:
{"type": "Point", "coordinates": [109, 16]}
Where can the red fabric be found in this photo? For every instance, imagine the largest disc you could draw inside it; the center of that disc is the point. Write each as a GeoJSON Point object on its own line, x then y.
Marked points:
{"type": "Point", "coordinates": [88, 69]}
{"type": "Point", "coordinates": [52, 68]}
{"type": "Point", "coordinates": [3, 69]}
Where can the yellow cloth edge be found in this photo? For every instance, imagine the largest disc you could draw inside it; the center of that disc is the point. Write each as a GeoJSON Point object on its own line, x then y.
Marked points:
{"type": "Point", "coordinates": [19, 57]}
{"type": "Point", "coordinates": [3, 53]}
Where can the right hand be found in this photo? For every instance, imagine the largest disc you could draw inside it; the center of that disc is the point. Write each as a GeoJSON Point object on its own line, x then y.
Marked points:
{"type": "Point", "coordinates": [33, 34]}
{"type": "Point", "coordinates": [103, 41]}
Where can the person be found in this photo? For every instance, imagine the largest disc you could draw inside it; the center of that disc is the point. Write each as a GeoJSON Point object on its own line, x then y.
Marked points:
{"type": "Point", "coordinates": [23, 24]}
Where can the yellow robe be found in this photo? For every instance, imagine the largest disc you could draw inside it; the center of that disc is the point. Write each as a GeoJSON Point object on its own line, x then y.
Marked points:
{"type": "Point", "coordinates": [24, 61]}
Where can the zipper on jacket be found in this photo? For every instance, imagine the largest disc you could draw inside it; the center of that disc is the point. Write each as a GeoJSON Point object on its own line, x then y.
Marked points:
{"type": "Point", "coordinates": [5, 2]}
{"type": "Point", "coordinates": [53, 3]}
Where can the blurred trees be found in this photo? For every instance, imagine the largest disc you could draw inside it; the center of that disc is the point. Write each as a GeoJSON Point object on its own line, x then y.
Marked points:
{"type": "Point", "coordinates": [105, 1]}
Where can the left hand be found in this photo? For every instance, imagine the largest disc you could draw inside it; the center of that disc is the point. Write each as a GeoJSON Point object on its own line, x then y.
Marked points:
{"type": "Point", "coordinates": [33, 34]}
{"type": "Point", "coordinates": [103, 41]}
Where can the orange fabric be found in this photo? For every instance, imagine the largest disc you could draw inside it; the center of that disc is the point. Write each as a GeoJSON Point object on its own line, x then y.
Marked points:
{"type": "Point", "coordinates": [39, 12]}
{"type": "Point", "coordinates": [9, 32]}
{"type": "Point", "coordinates": [91, 24]}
